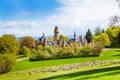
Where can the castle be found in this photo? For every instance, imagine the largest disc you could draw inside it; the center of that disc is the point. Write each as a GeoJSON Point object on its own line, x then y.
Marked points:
{"type": "Point", "coordinates": [58, 43]}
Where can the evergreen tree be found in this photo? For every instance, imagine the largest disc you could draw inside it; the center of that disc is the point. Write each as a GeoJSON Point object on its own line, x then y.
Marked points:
{"type": "Point", "coordinates": [88, 36]}
{"type": "Point", "coordinates": [98, 31]}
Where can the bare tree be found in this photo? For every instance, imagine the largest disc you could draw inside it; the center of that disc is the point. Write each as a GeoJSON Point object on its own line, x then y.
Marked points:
{"type": "Point", "coordinates": [118, 1]}
{"type": "Point", "coordinates": [114, 20]}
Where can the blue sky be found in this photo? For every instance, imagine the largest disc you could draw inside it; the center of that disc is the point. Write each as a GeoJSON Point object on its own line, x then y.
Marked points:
{"type": "Point", "coordinates": [28, 9]}
{"type": "Point", "coordinates": [33, 17]}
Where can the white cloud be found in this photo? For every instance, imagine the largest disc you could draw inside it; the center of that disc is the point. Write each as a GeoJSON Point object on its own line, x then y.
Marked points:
{"type": "Point", "coordinates": [73, 15]}
{"type": "Point", "coordinates": [84, 14]}
{"type": "Point", "coordinates": [20, 28]}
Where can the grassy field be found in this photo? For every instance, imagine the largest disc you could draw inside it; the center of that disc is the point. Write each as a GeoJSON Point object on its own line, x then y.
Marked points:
{"type": "Point", "coordinates": [111, 54]}
{"type": "Point", "coordinates": [109, 72]}
{"type": "Point", "coordinates": [100, 73]}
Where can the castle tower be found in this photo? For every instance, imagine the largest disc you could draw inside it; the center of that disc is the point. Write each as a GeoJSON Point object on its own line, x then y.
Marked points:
{"type": "Point", "coordinates": [56, 34]}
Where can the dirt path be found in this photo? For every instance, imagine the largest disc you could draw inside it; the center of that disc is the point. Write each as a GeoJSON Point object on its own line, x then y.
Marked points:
{"type": "Point", "coordinates": [21, 59]}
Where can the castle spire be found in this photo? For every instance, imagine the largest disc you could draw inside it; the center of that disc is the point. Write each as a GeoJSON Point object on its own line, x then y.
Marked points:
{"type": "Point", "coordinates": [43, 35]}
{"type": "Point", "coordinates": [74, 34]}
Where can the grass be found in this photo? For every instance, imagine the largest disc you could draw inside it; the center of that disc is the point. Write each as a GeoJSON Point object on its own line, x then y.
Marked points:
{"type": "Point", "coordinates": [111, 54]}
{"type": "Point", "coordinates": [109, 72]}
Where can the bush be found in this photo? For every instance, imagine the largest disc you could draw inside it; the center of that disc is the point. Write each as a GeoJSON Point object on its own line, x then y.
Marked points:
{"type": "Point", "coordinates": [25, 51]}
{"type": "Point", "coordinates": [85, 51]}
{"type": "Point", "coordinates": [97, 49]}
{"type": "Point", "coordinates": [33, 51]}
{"type": "Point", "coordinates": [66, 52]}
{"type": "Point", "coordinates": [75, 46]}
{"type": "Point", "coordinates": [51, 50]}
{"type": "Point", "coordinates": [7, 61]}
{"type": "Point", "coordinates": [40, 55]}
{"type": "Point", "coordinates": [39, 47]}
{"type": "Point", "coordinates": [2, 64]}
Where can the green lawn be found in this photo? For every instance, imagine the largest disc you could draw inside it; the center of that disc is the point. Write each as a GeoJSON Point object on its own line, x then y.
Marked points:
{"type": "Point", "coordinates": [105, 55]}
{"type": "Point", "coordinates": [103, 73]}
{"type": "Point", "coordinates": [108, 72]}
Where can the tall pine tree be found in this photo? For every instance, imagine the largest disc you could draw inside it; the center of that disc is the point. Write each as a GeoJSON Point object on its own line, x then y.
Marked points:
{"type": "Point", "coordinates": [88, 36]}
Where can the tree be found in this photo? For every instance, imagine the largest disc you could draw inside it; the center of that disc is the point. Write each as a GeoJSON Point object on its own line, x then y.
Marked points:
{"type": "Point", "coordinates": [64, 38]}
{"type": "Point", "coordinates": [119, 38]}
{"type": "Point", "coordinates": [88, 36]}
{"type": "Point", "coordinates": [104, 39]}
{"type": "Point", "coordinates": [39, 47]}
{"type": "Point", "coordinates": [7, 61]}
{"type": "Point", "coordinates": [97, 49]}
{"type": "Point", "coordinates": [9, 47]}
{"type": "Point", "coordinates": [25, 51]}
{"type": "Point", "coordinates": [27, 41]}
{"type": "Point", "coordinates": [114, 21]}
{"type": "Point", "coordinates": [118, 1]}
{"type": "Point", "coordinates": [113, 33]}
{"type": "Point", "coordinates": [98, 31]}
{"type": "Point", "coordinates": [51, 39]}
{"type": "Point", "coordinates": [9, 44]}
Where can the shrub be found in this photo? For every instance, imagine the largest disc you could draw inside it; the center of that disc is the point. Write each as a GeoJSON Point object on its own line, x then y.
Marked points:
{"type": "Point", "coordinates": [40, 55]}
{"type": "Point", "coordinates": [43, 54]}
{"type": "Point", "coordinates": [85, 51]}
{"type": "Point", "coordinates": [66, 52]}
{"type": "Point", "coordinates": [97, 49]}
{"type": "Point", "coordinates": [2, 64]}
{"type": "Point", "coordinates": [25, 51]}
{"type": "Point", "coordinates": [7, 61]}
{"type": "Point", "coordinates": [75, 46]}
{"type": "Point", "coordinates": [51, 50]}
{"type": "Point", "coordinates": [39, 47]}
{"type": "Point", "coordinates": [33, 51]}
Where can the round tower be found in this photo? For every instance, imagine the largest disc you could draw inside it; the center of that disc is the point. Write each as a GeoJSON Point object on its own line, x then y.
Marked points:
{"type": "Point", "coordinates": [56, 34]}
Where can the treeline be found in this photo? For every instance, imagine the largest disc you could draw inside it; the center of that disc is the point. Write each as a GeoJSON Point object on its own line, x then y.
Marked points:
{"type": "Point", "coordinates": [110, 37]}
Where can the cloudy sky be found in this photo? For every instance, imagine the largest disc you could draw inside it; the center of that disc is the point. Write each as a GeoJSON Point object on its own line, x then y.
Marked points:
{"type": "Point", "coordinates": [33, 17]}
